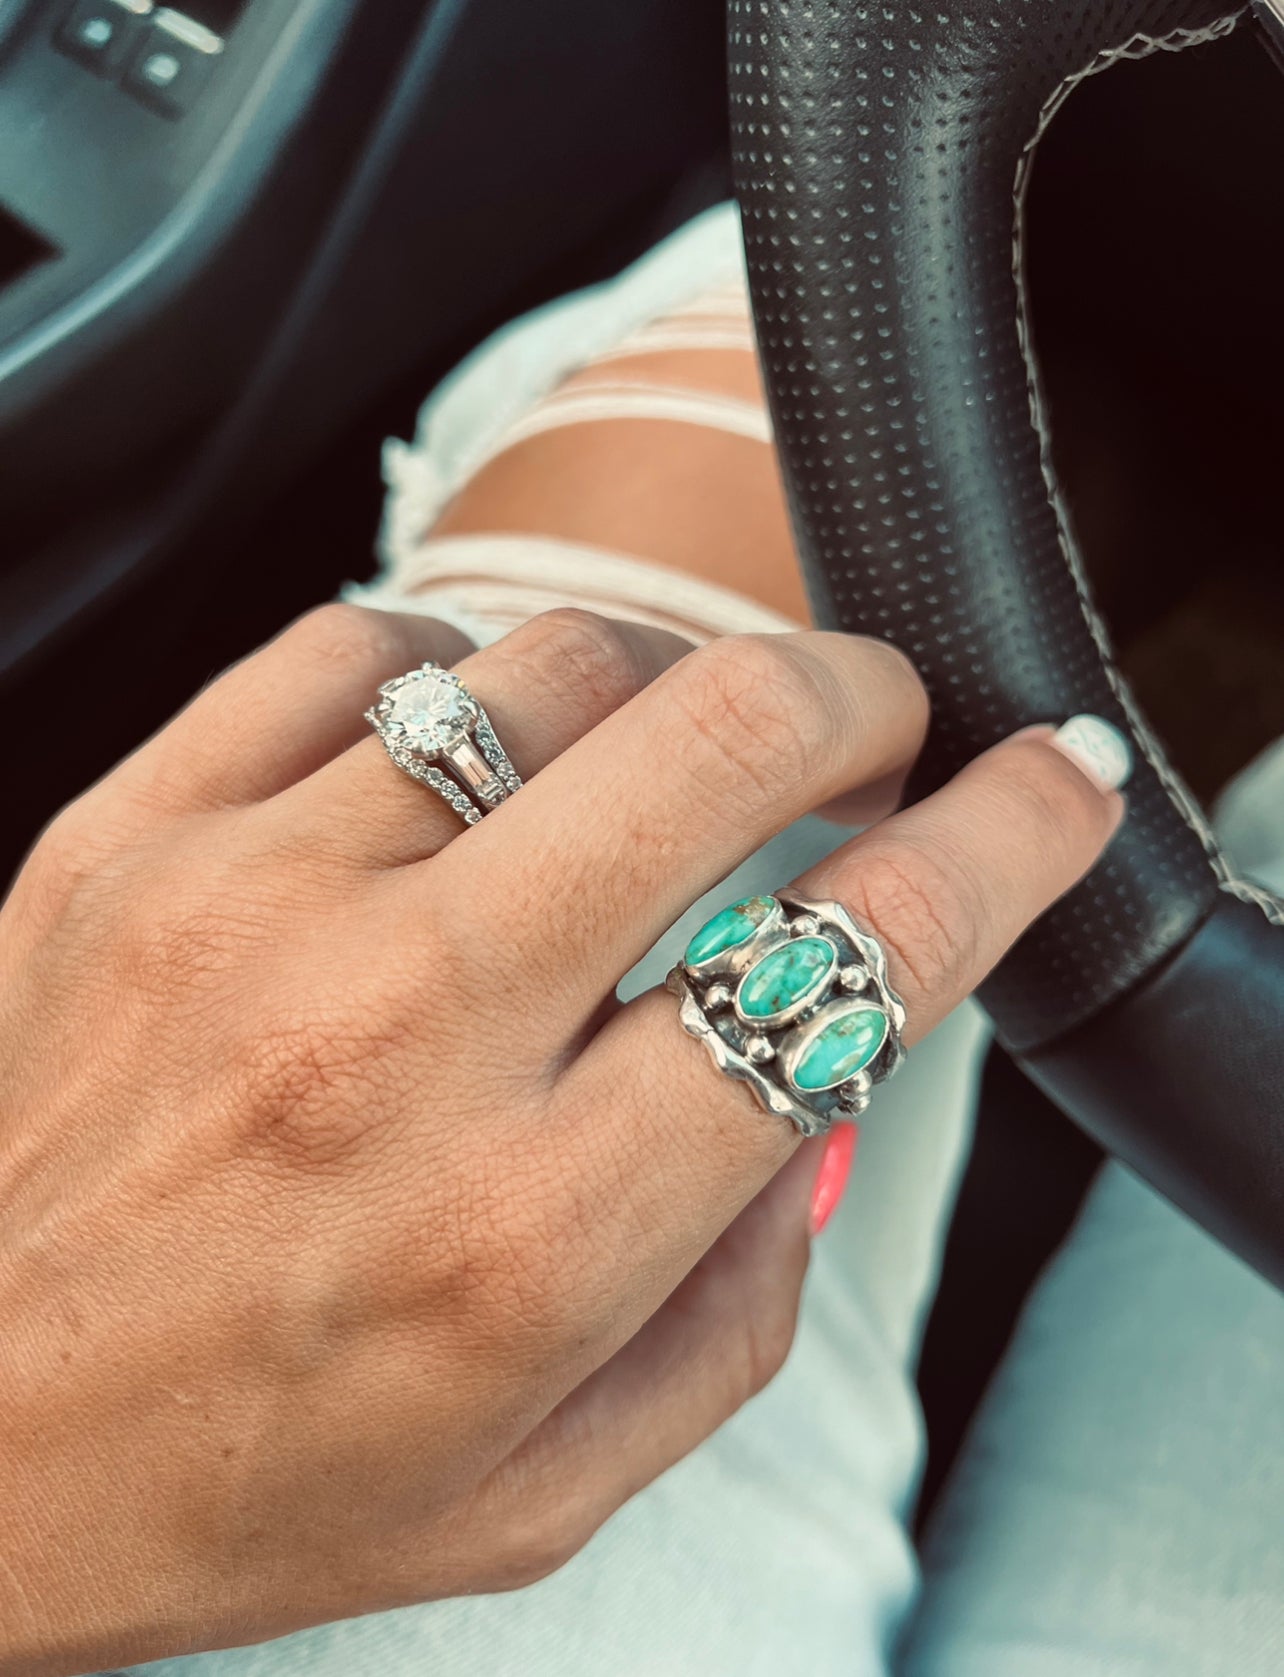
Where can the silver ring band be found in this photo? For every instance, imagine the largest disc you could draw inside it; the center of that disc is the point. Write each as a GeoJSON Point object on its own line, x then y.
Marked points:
{"type": "Point", "coordinates": [435, 730]}
{"type": "Point", "coordinates": [791, 997]}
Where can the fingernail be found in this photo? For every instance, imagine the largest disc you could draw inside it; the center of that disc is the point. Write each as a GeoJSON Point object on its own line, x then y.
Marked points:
{"type": "Point", "coordinates": [831, 1178]}
{"type": "Point", "coordinates": [1098, 748]}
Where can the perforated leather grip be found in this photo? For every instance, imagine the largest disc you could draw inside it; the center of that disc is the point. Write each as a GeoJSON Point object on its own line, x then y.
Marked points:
{"type": "Point", "coordinates": [881, 153]}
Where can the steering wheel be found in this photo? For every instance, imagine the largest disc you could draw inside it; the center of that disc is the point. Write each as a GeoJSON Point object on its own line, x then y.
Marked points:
{"type": "Point", "coordinates": [882, 152]}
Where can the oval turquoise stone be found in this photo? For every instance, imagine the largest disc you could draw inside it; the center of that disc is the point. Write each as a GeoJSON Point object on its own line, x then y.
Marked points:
{"type": "Point", "coordinates": [845, 1046]}
{"type": "Point", "coordinates": [734, 925]}
{"type": "Point", "coordinates": [787, 977]}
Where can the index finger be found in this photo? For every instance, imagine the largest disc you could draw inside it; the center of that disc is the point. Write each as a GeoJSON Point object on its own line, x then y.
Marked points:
{"type": "Point", "coordinates": [946, 887]}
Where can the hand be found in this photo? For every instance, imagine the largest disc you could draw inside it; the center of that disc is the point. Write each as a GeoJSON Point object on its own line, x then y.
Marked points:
{"type": "Point", "coordinates": [355, 1247]}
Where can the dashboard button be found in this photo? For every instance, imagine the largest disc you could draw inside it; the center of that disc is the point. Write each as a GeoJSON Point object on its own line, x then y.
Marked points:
{"type": "Point", "coordinates": [172, 62]}
{"type": "Point", "coordinates": [101, 33]}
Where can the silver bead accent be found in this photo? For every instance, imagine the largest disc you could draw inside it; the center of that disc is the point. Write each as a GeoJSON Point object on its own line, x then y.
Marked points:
{"type": "Point", "coordinates": [805, 925]}
{"type": "Point", "coordinates": [759, 1050]}
{"type": "Point", "coordinates": [717, 997]}
{"type": "Point", "coordinates": [853, 978]}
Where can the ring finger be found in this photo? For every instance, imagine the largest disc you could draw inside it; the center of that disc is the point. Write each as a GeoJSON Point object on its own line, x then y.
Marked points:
{"type": "Point", "coordinates": [543, 686]}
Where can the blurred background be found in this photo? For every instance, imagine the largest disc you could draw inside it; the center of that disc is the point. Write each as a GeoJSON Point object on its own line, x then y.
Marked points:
{"type": "Point", "coordinates": [239, 241]}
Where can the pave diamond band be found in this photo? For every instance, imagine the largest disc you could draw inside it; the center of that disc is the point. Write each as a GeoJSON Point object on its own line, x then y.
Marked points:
{"type": "Point", "coordinates": [435, 731]}
{"type": "Point", "coordinates": [791, 997]}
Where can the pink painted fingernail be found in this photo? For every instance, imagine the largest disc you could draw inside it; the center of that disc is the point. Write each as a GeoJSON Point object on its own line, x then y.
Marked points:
{"type": "Point", "coordinates": [831, 1178]}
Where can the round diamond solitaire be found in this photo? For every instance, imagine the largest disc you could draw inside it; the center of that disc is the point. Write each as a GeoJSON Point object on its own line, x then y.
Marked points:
{"type": "Point", "coordinates": [435, 712]}
{"type": "Point", "coordinates": [436, 732]}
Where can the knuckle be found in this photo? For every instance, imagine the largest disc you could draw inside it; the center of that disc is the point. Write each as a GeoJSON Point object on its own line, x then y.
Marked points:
{"type": "Point", "coordinates": [314, 1085]}
{"type": "Point", "coordinates": [176, 934]}
{"type": "Point", "coordinates": [72, 865]}
{"type": "Point", "coordinates": [65, 857]}
{"type": "Point", "coordinates": [503, 1253]}
{"type": "Point", "coordinates": [758, 705]}
{"type": "Point", "coordinates": [588, 657]}
{"type": "Point", "coordinates": [526, 1261]}
{"type": "Point", "coordinates": [920, 910]}
{"type": "Point", "coordinates": [767, 1341]}
{"type": "Point", "coordinates": [342, 636]}
{"type": "Point", "coordinates": [757, 1331]}
{"type": "Point", "coordinates": [543, 1531]}
{"type": "Point", "coordinates": [82, 837]}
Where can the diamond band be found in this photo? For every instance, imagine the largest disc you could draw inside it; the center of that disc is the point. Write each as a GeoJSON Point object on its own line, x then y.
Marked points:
{"type": "Point", "coordinates": [791, 997]}
{"type": "Point", "coordinates": [435, 731]}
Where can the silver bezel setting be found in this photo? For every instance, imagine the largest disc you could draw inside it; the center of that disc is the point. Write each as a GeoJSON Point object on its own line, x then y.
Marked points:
{"type": "Point", "coordinates": [734, 962]}
{"type": "Point", "coordinates": [762, 1023]}
{"type": "Point", "coordinates": [467, 767]}
{"type": "Point", "coordinates": [820, 1019]}
{"type": "Point", "coordinates": [764, 1053]}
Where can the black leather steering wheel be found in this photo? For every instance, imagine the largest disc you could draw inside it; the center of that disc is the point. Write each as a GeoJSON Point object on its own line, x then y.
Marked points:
{"type": "Point", "coordinates": [881, 152]}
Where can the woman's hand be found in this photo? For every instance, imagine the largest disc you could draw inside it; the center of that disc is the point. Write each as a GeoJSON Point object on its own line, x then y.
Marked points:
{"type": "Point", "coordinates": [355, 1248]}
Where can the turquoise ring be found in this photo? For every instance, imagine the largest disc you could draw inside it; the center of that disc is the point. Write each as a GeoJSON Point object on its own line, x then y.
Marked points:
{"type": "Point", "coordinates": [791, 997]}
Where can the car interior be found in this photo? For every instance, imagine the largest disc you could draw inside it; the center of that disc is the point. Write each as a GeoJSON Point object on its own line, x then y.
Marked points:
{"type": "Point", "coordinates": [240, 240]}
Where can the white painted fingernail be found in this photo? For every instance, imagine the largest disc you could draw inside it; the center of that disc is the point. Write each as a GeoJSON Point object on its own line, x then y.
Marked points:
{"type": "Point", "coordinates": [1098, 748]}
